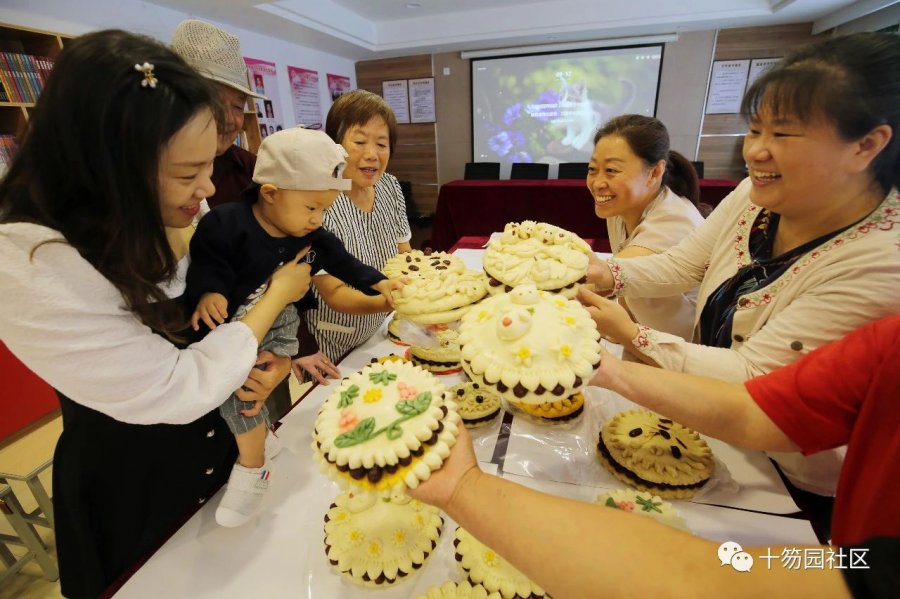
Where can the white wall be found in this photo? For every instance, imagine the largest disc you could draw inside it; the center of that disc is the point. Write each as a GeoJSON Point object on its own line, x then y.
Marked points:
{"type": "Point", "coordinates": [75, 18]}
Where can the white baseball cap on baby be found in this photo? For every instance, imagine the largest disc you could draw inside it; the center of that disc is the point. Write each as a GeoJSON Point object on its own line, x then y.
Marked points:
{"type": "Point", "coordinates": [301, 159]}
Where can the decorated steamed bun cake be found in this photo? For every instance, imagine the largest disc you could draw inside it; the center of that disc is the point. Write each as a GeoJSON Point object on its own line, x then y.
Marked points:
{"type": "Point", "coordinates": [385, 427]}
{"type": "Point", "coordinates": [529, 346]}
{"type": "Point", "coordinates": [441, 299]}
{"type": "Point", "coordinates": [643, 504]}
{"type": "Point", "coordinates": [476, 406]}
{"type": "Point", "coordinates": [483, 566]}
{"type": "Point", "coordinates": [377, 541]}
{"type": "Point", "coordinates": [417, 263]}
{"type": "Point", "coordinates": [654, 454]}
{"type": "Point", "coordinates": [442, 359]}
{"type": "Point", "coordinates": [393, 330]}
{"type": "Point", "coordinates": [387, 358]}
{"type": "Point", "coordinates": [561, 410]}
{"type": "Point", "coordinates": [458, 590]}
{"type": "Point", "coordinates": [544, 255]}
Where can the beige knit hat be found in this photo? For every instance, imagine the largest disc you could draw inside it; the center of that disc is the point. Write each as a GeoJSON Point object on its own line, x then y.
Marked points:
{"type": "Point", "coordinates": [302, 160]}
{"type": "Point", "coordinates": [213, 52]}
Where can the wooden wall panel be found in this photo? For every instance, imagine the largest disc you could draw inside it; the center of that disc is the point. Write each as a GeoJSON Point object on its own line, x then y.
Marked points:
{"type": "Point", "coordinates": [425, 197]}
{"type": "Point", "coordinates": [415, 157]}
{"type": "Point", "coordinates": [722, 155]}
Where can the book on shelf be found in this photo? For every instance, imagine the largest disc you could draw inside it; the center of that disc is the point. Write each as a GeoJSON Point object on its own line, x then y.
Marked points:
{"type": "Point", "coordinates": [22, 76]}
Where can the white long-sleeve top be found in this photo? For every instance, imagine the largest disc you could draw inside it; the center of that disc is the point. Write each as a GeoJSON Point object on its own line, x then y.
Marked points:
{"type": "Point", "coordinates": [69, 325]}
{"type": "Point", "coordinates": [666, 220]}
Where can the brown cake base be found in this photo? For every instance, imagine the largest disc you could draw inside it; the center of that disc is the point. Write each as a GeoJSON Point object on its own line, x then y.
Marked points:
{"type": "Point", "coordinates": [664, 490]}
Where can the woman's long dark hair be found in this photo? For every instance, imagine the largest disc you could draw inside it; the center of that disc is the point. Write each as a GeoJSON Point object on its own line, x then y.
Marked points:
{"type": "Point", "coordinates": [852, 82]}
{"type": "Point", "coordinates": [88, 165]}
{"type": "Point", "coordinates": [648, 138]}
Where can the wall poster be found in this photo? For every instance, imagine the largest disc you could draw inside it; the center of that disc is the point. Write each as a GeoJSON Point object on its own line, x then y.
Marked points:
{"type": "Point", "coordinates": [421, 100]}
{"type": "Point", "coordinates": [726, 86]}
{"type": "Point", "coordinates": [396, 95]}
{"type": "Point", "coordinates": [264, 80]}
{"type": "Point", "coordinates": [758, 66]}
{"type": "Point", "coordinates": [305, 97]}
{"type": "Point", "coordinates": [338, 85]}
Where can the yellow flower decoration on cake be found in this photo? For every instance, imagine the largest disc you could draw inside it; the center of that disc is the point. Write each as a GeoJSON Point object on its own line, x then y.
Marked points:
{"type": "Point", "coordinates": [483, 315]}
{"type": "Point", "coordinates": [523, 356]}
{"type": "Point", "coordinates": [372, 395]}
{"type": "Point", "coordinates": [565, 352]}
{"type": "Point", "coordinates": [490, 559]}
{"type": "Point", "coordinates": [355, 537]}
{"type": "Point", "coordinates": [399, 537]}
{"type": "Point", "coordinates": [569, 320]}
{"type": "Point", "coordinates": [374, 549]}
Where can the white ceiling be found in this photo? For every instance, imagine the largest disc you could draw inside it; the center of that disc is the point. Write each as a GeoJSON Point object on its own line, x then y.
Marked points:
{"type": "Point", "coordinates": [365, 29]}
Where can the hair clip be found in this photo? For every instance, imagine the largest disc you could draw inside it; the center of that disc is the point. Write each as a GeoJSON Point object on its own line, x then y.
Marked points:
{"type": "Point", "coordinates": [149, 77]}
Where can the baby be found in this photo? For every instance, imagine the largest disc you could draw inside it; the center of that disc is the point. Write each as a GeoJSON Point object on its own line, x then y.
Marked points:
{"type": "Point", "coordinates": [235, 250]}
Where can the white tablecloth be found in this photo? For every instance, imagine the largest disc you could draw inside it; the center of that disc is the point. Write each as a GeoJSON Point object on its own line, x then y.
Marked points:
{"type": "Point", "coordinates": [281, 553]}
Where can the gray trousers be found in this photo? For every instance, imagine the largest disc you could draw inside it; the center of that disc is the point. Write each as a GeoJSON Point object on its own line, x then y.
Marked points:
{"type": "Point", "coordinates": [281, 340]}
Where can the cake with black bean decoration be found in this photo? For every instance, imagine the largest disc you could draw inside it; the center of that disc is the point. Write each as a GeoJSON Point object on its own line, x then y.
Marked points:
{"type": "Point", "coordinates": [651, 453]}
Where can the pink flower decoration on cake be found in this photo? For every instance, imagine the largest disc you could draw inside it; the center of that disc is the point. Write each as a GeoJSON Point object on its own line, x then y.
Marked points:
{"type": "Point", "coordinates": [627, 506]}
{"type": "Point", "coordinates": [407, 391]}
{"type": "Point", "coordinates": [348, 420]}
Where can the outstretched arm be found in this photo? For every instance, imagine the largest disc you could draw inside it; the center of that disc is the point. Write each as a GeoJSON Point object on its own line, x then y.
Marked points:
{"type": "Point", "coordinates": [722, 410]}
{"type": "Point", "coordinates": [589, 550]}
{"type": "Point", "coordinates": [343, 298]}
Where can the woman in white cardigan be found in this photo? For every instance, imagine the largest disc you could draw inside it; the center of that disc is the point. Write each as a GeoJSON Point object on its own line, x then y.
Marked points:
{"type": "Point", "coordinates": [805, 249]}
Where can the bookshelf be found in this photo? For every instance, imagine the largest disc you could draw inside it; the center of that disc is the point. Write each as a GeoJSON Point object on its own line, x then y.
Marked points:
{"type": "Point", "coordinates": [251, 137]}
{"type": "Point", "coordinates": [26, 57]}
{"type": "Point", "coordinates": [23, 396]}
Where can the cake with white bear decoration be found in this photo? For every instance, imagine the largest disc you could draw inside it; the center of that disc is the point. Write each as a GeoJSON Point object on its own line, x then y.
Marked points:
{"type": "Point", "coordinates": [529, 346]}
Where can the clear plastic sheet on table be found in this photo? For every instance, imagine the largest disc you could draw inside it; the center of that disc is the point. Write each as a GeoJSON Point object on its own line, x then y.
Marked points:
{"type": "Point", "coordinates": [567, 452]}
{"type": "Point", "coordinates": [427, 335]}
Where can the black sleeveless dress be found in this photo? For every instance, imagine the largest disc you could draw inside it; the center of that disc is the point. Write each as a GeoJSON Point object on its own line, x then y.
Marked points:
{"type": "Point", "coordinates": [120, 490]}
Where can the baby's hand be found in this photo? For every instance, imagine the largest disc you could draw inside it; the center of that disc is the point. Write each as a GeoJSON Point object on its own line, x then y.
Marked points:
{"type": "Point", "coordinates": [212, 308]}
{"type": "Point", "coordinates": [386, 286]}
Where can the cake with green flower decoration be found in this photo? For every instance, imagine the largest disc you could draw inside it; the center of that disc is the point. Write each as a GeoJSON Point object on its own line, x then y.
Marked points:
{"type": "Point", "coordinates": [378, 541]}
{"type": "Point", "coordinates": [654, 454]}
{"type": "Point", "coordinates": [417, 263]}
{"type": "Point", "coordinates": [386, 427]}
{"type": "Point", "coordinates": [643, 504]}
{"type": "Point", "coordinates": [484, 566]}
{"type": "Point", "coordinates": [529, 346]}
{"type": "Point", "coordinates": [458, 590]}
{"type": "Point", "coordinates": [541, 254]}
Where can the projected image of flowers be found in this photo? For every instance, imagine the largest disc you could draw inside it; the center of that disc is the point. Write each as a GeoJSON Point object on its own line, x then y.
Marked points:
{"type": "Point", "coordinates": [550, 114]}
